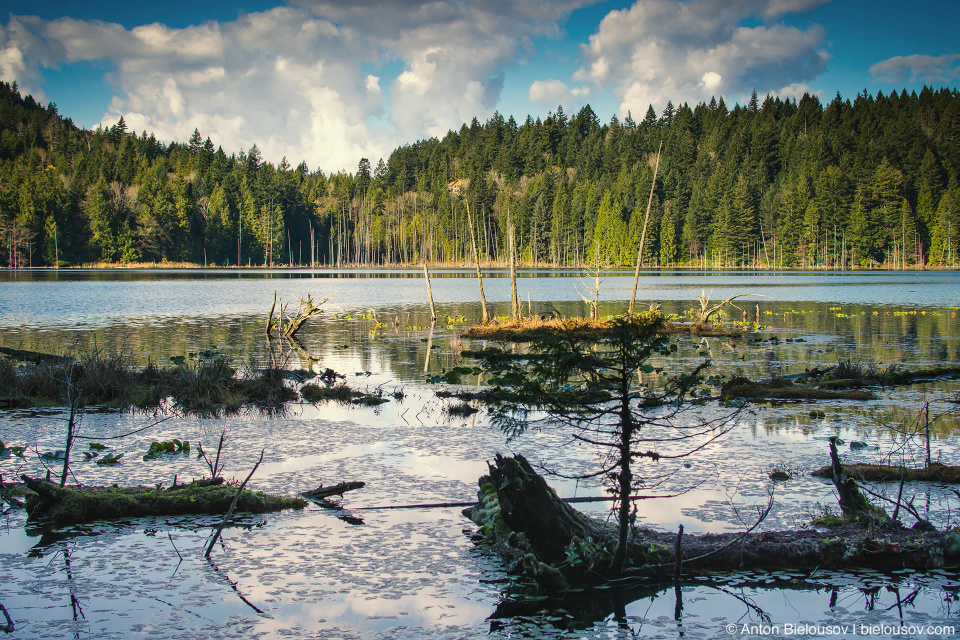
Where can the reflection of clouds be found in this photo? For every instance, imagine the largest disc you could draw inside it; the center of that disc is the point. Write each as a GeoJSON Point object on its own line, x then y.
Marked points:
{"type": "Point", "coordinates": [448, 467]}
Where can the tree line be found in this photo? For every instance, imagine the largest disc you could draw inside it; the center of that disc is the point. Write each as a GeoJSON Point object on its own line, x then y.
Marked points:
{"type": "Point", "coordinates": [776, 183]}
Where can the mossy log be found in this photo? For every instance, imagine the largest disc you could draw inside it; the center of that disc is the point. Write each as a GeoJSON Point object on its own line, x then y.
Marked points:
{"type": "Point", "coordinates": [66, 505]}
{"type": "Point", "coordinates": [936, 472]}
{"type": "Point", "coordinates": [530, 527]}
{"type": "Point", "coordinates": [780, 389]}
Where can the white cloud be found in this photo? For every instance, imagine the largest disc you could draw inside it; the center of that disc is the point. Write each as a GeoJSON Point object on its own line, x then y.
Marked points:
{"type": "Point", "coordinates": [777, 8]}
{"type": "Point", "coordinates": [550, 93]}
{"type": "Point", "coordinates": [296, 79]}
{"type": "Point", "coordinates": [659, 50]}
{"type": "Point", "coordinates": [917, 68]}
{"type": "Point", "coordinates": [795, 91]}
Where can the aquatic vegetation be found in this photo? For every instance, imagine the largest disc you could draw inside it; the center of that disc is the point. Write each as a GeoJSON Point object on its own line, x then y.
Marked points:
{"type": "Point", "coordinates": [202, 386]}
{"type": "Point", "coordinates": [341, 393]}
{"type": "Point", "coordinates": [460, 409]}
{"type": "Point", "coordinates": [158, 449]}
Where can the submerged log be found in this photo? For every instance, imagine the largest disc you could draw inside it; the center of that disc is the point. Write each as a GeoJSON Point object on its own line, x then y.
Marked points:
{"type": "Point", "coordinates": [67, 505]}
{"type": "Point", "coordinates": [532, 528]}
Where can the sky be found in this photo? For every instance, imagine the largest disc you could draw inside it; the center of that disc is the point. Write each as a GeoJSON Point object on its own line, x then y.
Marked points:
{"type": "Point", "coordinates": [331, 81]}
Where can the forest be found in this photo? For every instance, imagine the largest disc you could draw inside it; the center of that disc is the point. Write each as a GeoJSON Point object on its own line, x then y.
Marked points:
{"type": "Point", "coordinates": [868, 183]}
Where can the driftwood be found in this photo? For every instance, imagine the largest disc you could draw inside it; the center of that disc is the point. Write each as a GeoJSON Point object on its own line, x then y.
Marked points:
{"type": "Point", "coordinates": [558, 546]}
{"type": "Point", "coordinates": [233, 507]}
{"type": "Point", "coordinates": [289, 328]}
{"type": "Point", "coordinates": [321, 492]}
{"type": "Point", "coordinates": [9, 627]}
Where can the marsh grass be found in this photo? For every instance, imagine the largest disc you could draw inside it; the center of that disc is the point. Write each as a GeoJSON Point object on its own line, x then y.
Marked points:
{"type": "Point", "coordinates": [342, 394]}
{"type": "Point", "coordinates": [207, 387]}
{"type": "Point", "coordinates": [460, 409]}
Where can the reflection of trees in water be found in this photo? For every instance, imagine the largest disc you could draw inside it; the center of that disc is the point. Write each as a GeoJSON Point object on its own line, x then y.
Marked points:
{"type": "Point", "coordinates": [740, 604]}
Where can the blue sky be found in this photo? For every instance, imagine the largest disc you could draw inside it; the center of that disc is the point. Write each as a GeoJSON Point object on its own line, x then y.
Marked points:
{"type": "Point", "coordinates": [329, 81]}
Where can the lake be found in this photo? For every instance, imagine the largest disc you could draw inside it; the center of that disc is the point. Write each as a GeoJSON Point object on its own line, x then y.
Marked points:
{"type": "Point", "coordinates": [416, 573]}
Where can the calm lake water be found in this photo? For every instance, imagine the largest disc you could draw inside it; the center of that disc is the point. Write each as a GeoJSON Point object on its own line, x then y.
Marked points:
{"type": "Point", "coordinates": [415, 573]}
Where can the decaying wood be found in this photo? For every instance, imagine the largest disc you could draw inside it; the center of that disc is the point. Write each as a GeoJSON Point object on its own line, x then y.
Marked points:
{"type": "Point", "coordinates": [60, 506]}
{"type": "Point", "coordinates": [7, 496]}
{"type": "Point", "coordinates": [336, 490]}
{"type": "Point", "coordinates": [9, 626]}
{"type": "Point", "coordinates": [852, 502]}
{"type": "Point", "coordinates": [268, 329]}
{"type": "Point", "coordinates": [559, 546]}
{"type": "Point", "coordinates": [233, 507]}
{"type": "Point", "coordinates": [784, 389]}
{"type": "Point", "coordinates": [476, 262]}
{"type": "Point", "coordinates": [306, 309]}
{"type": "Point", "coordinates": [643, 233]}
{"type": "Point", "coordinates": [706, 311]}
{"type": "Point", "coordinates": [35, 357]}
{"type": "Point", "coordinates": [426, 276]}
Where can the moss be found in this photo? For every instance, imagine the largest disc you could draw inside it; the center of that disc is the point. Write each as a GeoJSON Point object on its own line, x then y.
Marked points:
{"type": "Point", "coordinates": [829, 520]}
{"type": "Point", "coordinates": [65, 505]}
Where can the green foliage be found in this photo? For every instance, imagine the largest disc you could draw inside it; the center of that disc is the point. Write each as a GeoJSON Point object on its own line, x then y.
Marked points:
{"type": "Point", "coordinates": [585, 376]}
{"type": "Point", "coordinates": [158, 449]}
{"type": "Point", "coordinates": [779, 181]}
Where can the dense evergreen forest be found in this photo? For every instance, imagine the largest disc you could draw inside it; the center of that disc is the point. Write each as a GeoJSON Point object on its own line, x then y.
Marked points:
{"type": "Point", "coordinates": [872, 182]}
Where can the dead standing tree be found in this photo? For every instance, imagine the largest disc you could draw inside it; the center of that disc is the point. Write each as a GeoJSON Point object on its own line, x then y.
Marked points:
{"type": "Point", "coordinates": [289, 328]}
{"type": "Point", "coordinates": [702, 316]}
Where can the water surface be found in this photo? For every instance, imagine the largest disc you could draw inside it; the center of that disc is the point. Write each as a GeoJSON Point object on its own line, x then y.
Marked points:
{"type": "Point", "coordinates": [415, 572]}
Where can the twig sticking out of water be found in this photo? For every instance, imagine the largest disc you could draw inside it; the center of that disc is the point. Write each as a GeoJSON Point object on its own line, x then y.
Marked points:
{"type": "Point", "coordinates": [233, 506]}
{"type": "Point", "coordinates": [8, 627]}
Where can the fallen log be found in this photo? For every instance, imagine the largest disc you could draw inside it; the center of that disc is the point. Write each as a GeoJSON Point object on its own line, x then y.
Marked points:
{"type": "Point", "coordinates": [67, 505]}
{"type": "Point", "coordinates": [935, 472]}
{"type": "Point", "coordinates": [783, 389]}
{"type": "Point", "coordinates": [322, 492]}
{"type": "Point", "coordinates": [35, 357]}
{"type": "Point", "coordinates": [531, 528]}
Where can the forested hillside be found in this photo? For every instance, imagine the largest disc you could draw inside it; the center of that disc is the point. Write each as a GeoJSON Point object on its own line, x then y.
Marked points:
{"type": "Point", "coordinates": [871, 182]}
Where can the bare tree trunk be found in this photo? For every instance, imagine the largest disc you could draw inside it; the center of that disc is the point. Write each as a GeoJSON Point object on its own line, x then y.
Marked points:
{"type": "Point", "coordinates": [643, 234]}
{"type": "Point", "coordinates": [514, 302]}
{"type": "Point", "coordinates": [476, 262]}
{"type": "Point", "coordinates": [426, 276]}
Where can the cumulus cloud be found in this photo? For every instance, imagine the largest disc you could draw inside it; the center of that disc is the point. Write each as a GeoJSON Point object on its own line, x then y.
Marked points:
{"type": "Point", "coordinates": [917, 68]}
{"type": "Point", "coordinates": [296, 79]}
{"type": "Point", "coordinates": [550, 93]}
{"type": "Point", "coordinates": [659, 50]}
